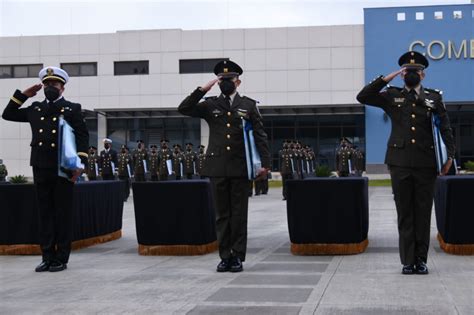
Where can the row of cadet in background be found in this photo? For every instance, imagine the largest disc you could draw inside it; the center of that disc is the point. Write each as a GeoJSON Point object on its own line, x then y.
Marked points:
{"type": "Point", "coordinates": [143, 164]}
{"type": "Point", "coordinates": [298, 161]}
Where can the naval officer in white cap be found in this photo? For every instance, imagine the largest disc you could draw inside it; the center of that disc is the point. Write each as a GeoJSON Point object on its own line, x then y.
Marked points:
{"type": "Point", "coordinates": [54, 193]}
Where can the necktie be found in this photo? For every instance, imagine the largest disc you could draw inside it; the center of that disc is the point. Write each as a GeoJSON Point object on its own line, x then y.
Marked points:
{"type": "Point", "coordinates": [227, 100]}
{"type": "Point", "coordinates": [412, 94]}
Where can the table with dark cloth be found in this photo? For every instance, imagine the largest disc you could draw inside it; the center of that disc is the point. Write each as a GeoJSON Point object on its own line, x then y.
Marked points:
{"type": "Point", "coordinates": [328, 215]}
{"type": "Point", "coordinates": [97, 215]}
{"type": "Point", "coordinates": [454, 208]}
{"type": "Point", "coordinates": [175, 217]}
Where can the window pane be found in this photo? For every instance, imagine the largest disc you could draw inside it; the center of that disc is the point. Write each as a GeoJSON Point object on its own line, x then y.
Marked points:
{"type": "Point", "coordinates": [20, 71]}
{"type": "Point", "coordinates": [198, 65]}
{"type": "Point", "coordinates": [329, 135]}
{"type": "Point", "coordinates": [71, 69]}
{"type": "Point", "coordinates": [5, 71]}
{"type": "Point", "coordinates": [88, 69]}
{"type": "Point", "coordinates": [33, 70]}
{"type": "Point", "coordinates": [130, 67]}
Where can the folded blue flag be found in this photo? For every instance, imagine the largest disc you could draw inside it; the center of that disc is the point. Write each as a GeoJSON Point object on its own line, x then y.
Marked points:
{"type": "Point", "coordinates": [68, 160]}
{"type": "Point", "coordinates": [254, 163]}
{"type": "Point", "coordinates": [441, 152]}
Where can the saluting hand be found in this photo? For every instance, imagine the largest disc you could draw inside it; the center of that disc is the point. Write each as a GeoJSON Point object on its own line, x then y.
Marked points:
{"type": "Point", "coordinates": [393, 75]}
{"type": "Point", "coordinates": [32, 90]}
{"type": "Point", "coordinates": [209, 85]}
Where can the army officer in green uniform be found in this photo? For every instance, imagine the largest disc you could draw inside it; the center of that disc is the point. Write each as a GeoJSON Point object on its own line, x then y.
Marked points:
{"type": "Point", "coordinates": [225, 163]}
{"type": "Point", "coordinates": [410, 153]}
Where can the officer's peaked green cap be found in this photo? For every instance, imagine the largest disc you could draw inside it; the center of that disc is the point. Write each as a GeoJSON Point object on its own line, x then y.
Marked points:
{"type": "Point", "coordinates": [227, 69]}
{"type": "Point", "coordinates": [414, 60]}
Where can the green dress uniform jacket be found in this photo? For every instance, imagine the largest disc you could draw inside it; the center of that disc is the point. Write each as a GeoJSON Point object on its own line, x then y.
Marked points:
{"type": "Point", "coordinates": [226, 163]}
{"type": "Point", "coordinates": [411, 139]}
{"type": "Point", "coordinates": [411, 159]}
{"type": "Point", "coordinates": [225, 152]}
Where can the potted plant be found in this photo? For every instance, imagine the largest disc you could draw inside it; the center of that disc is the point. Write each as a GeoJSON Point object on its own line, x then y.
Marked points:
{"type": "Point", "coordinates": [18, 179]}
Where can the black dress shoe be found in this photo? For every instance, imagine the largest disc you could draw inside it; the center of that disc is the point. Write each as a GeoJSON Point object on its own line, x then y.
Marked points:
{"type": "Point", "coordinates": [408, 269]}
{"type": "Point", "coordinates": [224, 265]}
{"type": "Point", "coordinates": [236, 265]}
{"type": "Point", "coordinates": [56, 266]}
{"type": "Point", "coordinates": [421, 268]}
{"type": "Point", "coordinates": [44, 266]}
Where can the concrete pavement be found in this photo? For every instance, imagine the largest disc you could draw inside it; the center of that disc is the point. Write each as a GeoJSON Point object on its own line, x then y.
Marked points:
{"type": "Point", "coordinates": [112, 278]}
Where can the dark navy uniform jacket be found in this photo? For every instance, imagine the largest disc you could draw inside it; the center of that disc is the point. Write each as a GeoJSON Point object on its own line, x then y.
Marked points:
{"type": "Point", "coordinates": [44, 122]}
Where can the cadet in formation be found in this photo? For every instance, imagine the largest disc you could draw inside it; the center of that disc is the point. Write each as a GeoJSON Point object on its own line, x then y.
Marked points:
{"type": "Point", "coordinates": [286, 165]}
{"type": "Point", "coordinates": [201, 159]}
{"type": "Point", "coordinates": [164, 156]}
{"type": "Point", "coordinates": [124, 169]}
{"type": "Point", "coordinates": [190, 160]}
{"type": "Point", "coordinates": [344, 158]}
{"type": "Point", "coordinates": [92, 170]}
{"type": "Point", "coordinates": [107, 161]}
{"type": "Point", "coordinates": [177, 158]}
{"type": "Point", "coordinates": [410, 152]}
{"type": "Point", "coordinates": [153, 162]}
{"type": "Point", "coordinates": [55, 193]}
{"type": "Point", "coordinates": [139, 160]}
{"type": "Point", "coordinates": [225, 162]}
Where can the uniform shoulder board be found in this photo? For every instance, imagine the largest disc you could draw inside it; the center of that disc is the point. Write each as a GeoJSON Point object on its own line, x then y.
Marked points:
{"type": "Point", "coordinates": [394, 88]}
{"type": "Point", "coordinates": [250, 99]}
{"type": "Point", "coordinates": [434, 91]}
{"type": "Point", "coordinates": [210, 98]}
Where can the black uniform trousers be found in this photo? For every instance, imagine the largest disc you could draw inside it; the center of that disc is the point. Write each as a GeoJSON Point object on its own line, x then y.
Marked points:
{"type": "Point", "coordinates": [231, 197]}
{"type": "Point", "coordinates": [250, 188]}
{"type": "Point", "coordinates": [55, 203]}
{"type": "Point", "coordinates": [413, 189]}
{"type": "Point", "coordinates": [126, 179]}
{"type": "Point", "coordinates": [154, 177]}
{"type": "Point", "coordinates": [265, 186]}
{"type": "Point", "coordinates": [163, 176]}
{"type": "Point", "coordinates": [258, 187]}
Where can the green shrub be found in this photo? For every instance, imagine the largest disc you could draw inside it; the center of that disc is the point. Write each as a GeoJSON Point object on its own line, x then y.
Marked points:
{"type": "Point", "coordinates": [469, 165]}
{"type": "Point", "coordinates": [323, 171]}
{"type": "Point", "coordinates": [18, 179]}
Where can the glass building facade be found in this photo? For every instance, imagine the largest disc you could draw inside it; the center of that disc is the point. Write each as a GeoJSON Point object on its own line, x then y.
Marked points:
{"type": "Point", "coordinates": [321, 132]}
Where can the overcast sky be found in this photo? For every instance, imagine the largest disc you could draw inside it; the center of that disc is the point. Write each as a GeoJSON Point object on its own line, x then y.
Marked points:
{"type": "Point", "coordinates": [40, 17]}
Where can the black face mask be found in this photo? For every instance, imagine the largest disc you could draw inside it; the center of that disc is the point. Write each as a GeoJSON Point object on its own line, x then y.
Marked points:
{"type": "Point", "coordinates": [107, 146]}
{"type": "Point", "coordinates": [227, 87]}
{"type": "Point", "coordinates": [123, 150]}
{"type": "Point", "coordinates": [412, 79]}
{"type": "Point", "coordinates": [51, 93]}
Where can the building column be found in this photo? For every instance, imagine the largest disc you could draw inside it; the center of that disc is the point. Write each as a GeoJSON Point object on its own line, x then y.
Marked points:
{"type": "Point", "coordinates": [101, 128]}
